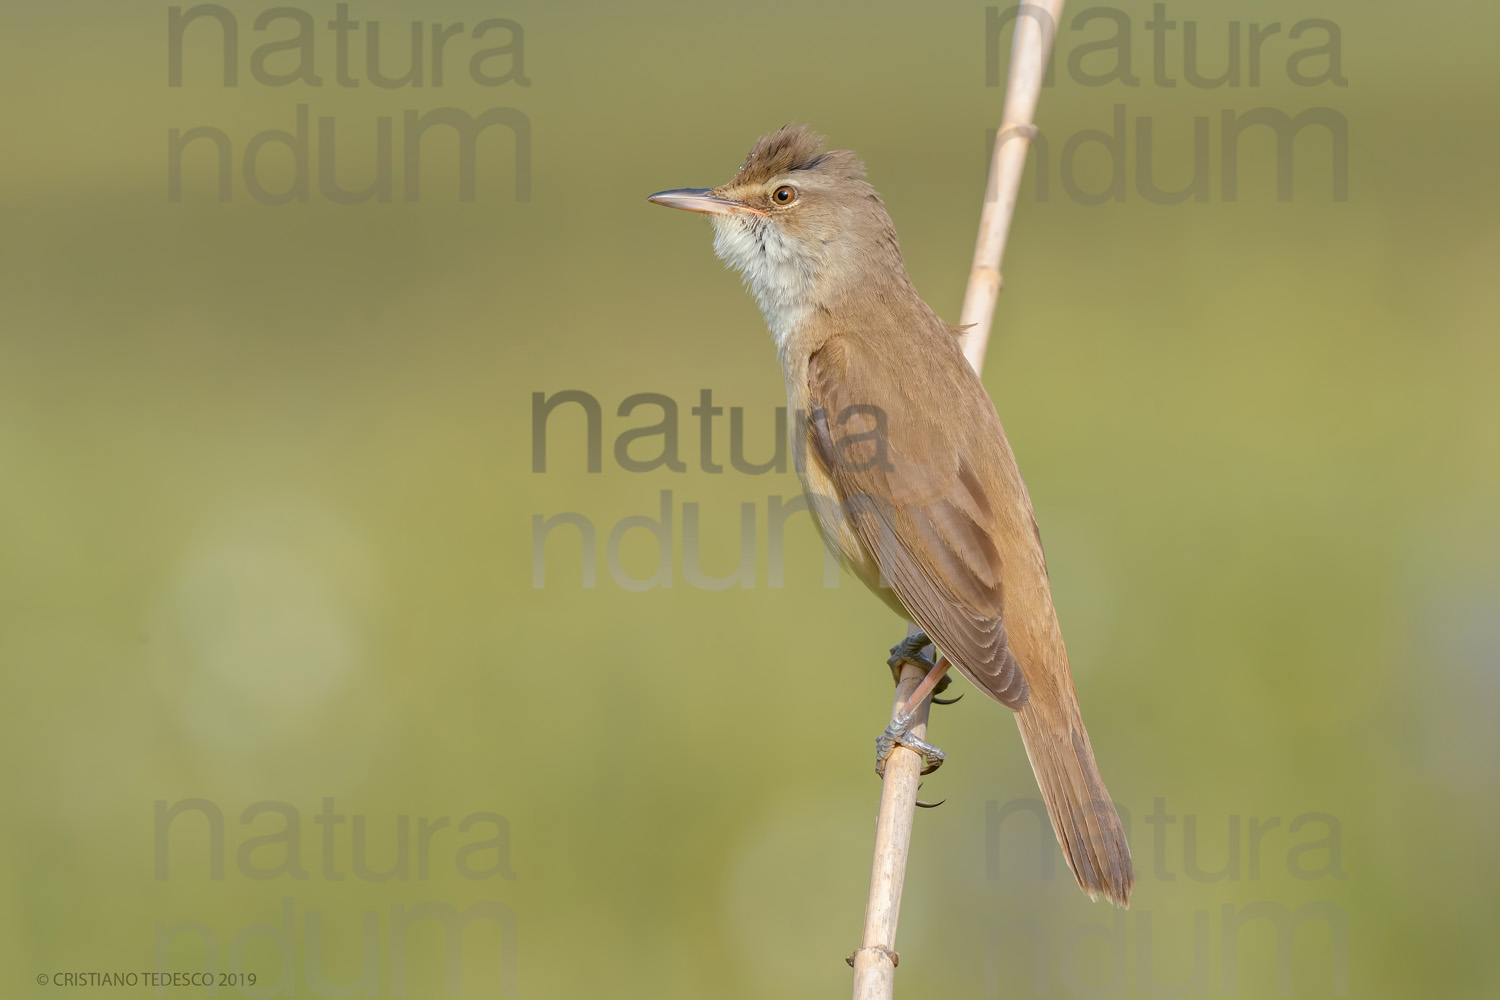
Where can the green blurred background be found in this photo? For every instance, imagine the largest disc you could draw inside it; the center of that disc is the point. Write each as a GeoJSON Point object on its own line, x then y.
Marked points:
{"type": "Point", "coordinates": [268, 517]}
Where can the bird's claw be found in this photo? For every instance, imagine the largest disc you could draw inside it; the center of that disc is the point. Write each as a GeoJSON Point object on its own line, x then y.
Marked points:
{"type": "Point", "coordinates": [928, 805]}
{"type": "Point", "coordinates": [909, 650]}
{"type": "Point", "coordinates": [898, 734]}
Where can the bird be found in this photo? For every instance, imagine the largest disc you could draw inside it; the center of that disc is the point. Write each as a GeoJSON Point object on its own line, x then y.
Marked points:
{"type": "Point", "coordinates": [902, 454]}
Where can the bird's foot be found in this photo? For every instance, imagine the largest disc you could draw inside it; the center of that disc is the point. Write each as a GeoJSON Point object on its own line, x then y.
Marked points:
{"type": "Point", "coordinates": [912, 650]}
{"type": "Point", "coordinates": [898, 734]}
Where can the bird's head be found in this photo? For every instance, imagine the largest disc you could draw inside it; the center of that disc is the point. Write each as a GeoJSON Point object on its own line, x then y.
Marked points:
{"type": "Point", "coordinates": [799, 223]}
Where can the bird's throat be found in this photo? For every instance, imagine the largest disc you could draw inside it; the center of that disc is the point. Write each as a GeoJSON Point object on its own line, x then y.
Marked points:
{"type": "Point", "coordinates": [777, 269]}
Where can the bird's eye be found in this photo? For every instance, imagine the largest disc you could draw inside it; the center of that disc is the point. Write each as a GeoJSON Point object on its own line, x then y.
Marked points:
{"type": "Point", "coordinates": [784, 195]}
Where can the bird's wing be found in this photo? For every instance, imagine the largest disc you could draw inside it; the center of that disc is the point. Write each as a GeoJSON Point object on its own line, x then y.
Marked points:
{"type": "Point", "coordinates": [908, 481]}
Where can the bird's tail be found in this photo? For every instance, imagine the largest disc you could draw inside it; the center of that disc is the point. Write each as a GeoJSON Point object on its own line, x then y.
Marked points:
{"type": "Point", "coordinates": [1083, 816]}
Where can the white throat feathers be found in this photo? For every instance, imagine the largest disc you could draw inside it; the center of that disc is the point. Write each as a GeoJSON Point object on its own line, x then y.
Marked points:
{"type": "Point", "coordinates": [774, 267]}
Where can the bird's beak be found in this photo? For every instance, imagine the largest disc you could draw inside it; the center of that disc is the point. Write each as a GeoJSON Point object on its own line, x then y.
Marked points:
{"type": "Point", "coordinates": [701, 200]}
